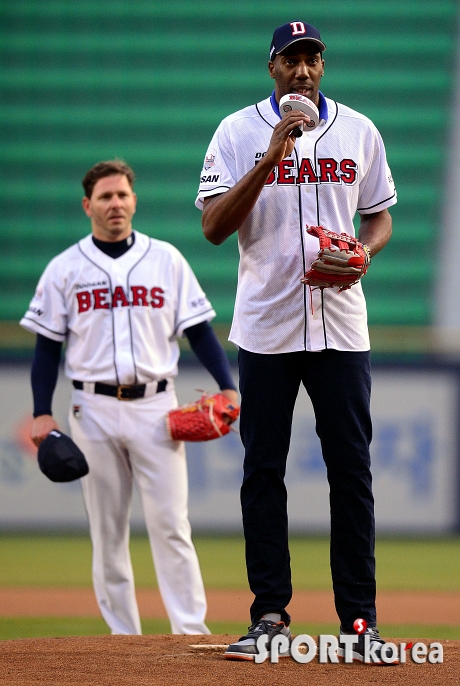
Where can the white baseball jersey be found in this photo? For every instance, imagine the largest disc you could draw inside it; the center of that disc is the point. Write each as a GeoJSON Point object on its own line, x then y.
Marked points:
{"type": "Point", "coordinates": [120, 317]}
{"type": "Point", "coordinates": [334, 171]}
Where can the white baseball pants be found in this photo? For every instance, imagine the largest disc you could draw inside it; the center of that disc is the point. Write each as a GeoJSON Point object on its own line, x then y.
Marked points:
{"type": "Point", "coordinates": [126, 441]}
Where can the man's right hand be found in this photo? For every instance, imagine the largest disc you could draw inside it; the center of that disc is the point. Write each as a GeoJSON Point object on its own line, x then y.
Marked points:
{"type": "Point", "coordinates": [283, 141]}
{"type": "Point", "coordinates": [41, 426]}
{"type": "Point", "coordinates": [225, 213]}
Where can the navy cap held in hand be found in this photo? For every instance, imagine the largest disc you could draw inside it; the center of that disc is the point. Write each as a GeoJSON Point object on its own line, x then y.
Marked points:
{"type": "Point", "coordinates": [60, 459]}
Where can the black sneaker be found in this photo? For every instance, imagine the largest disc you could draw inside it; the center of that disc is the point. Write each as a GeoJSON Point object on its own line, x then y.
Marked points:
{"type": "Point", "coordinates": [369, 649]}
{"type": "Point", "coordinates": [246, 648]}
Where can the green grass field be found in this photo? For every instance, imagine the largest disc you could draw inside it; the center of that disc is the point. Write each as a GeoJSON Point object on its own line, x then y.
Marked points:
{"type": "Point", "coordinates": [65, 560]}
{"type": "Point", "coordinates": [402, 563]}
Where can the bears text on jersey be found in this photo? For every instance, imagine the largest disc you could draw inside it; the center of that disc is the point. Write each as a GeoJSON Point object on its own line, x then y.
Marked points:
{"type": "Point", "coordinates": [102, 299]}
{"type": "Point", "coordinates": [328, 170]}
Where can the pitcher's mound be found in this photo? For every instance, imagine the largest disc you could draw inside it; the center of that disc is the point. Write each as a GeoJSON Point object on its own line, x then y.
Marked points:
{"type": "Point", "coordinates": [180, 661]}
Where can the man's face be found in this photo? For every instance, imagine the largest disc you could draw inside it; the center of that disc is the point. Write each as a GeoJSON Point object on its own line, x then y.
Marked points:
{"type": "Point", "coordinates": [298, 70]}
{"type": "Point", "coordinates": [111, 208]}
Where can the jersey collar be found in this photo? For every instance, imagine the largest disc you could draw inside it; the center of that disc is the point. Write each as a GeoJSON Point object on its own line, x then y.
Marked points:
{"type": "Point", "coordinates": [322, 106]}
{"type": "Point", "coordinates": [130, 258]}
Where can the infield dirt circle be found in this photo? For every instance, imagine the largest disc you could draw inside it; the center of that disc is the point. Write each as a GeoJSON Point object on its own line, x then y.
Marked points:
{"type": "Point", "coordinates": [173, 660]}
{"type": "Point", "coordinates": [177, 661]}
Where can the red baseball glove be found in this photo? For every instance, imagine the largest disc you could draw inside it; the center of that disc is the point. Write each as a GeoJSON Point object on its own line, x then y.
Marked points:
{"type": "Point", "coordinates": [342, 260]}
{"type": "Point", "coordinates": [207, 418]}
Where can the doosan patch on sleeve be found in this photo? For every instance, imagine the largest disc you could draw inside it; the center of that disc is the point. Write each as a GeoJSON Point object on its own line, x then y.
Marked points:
{"type": "Point", "coordinates": [210, 178]}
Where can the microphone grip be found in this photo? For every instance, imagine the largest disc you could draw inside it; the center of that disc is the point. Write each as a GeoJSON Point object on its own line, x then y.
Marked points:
{"type": "Point", "coordinates": [297, 133]}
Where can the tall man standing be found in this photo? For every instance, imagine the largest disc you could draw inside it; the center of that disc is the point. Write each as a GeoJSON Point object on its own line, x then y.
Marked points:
{"type": "Point", "coordinates": [261, 180]}
{"type": "Point", "coordinates": [120, 300]}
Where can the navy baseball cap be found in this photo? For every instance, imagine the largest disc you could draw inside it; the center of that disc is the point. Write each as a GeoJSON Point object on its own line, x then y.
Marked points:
{"type": "Point", "coordinates": [60, 459]}
{"type": "Point", "coordinates": [290, 33]}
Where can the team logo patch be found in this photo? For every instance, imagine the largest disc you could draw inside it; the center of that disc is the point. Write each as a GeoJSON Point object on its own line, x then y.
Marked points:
{"type": "Point", "coordinates": [298, 28]}
{"type": "Point", "coordinates": [210, 160]}
{"type": "Point", "coordinates": [76, 409]}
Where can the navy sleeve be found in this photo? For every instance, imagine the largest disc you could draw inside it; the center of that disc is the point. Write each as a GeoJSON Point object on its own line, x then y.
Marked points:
{"type": "Point", "coordinates": [210, 353]}
{"type": "Point", "coordinates": [45, 369]}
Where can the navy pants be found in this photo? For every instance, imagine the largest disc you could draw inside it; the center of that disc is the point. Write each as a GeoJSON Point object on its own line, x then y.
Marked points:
{"type": "Point", "coordinates": [339, 387]}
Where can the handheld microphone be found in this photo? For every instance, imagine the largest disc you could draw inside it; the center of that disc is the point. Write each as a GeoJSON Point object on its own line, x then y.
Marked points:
{"type": "Point", "coordinates": [293, 101]}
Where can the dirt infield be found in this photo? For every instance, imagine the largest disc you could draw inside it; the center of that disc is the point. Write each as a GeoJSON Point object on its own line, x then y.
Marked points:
{"type": "Point", "coordinates": [166, 659]}
{"type": "Point", "coordinates": [403, 607]}
{"type": "Point", "coordinates": [151, 660]}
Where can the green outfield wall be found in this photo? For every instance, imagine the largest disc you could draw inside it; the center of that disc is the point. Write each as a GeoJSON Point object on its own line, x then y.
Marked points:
{"type": "Point", "coordinates": [150, 81]}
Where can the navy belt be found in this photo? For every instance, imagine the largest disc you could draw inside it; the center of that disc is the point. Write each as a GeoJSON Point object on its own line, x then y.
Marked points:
{"type": "Point", "coordinates": [123, 391]}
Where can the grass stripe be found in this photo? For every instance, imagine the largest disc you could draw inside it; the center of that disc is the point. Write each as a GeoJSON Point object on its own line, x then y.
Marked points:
{"type": "Point", "coordinates": [65, 561]}
{"type": "Point", "coordinates": [46, 627]}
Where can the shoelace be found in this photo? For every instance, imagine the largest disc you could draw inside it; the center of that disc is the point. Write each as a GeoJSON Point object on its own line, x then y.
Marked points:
{"type": "Point", "coordinates": [374, 637]}
{"type": "Point", "coordinates": [264, 626]}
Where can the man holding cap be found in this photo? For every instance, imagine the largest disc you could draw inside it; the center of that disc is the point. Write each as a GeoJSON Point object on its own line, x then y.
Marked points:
{"type": "Point", "coordinates": [120, 300]}
{"type": "Point", "coordinates": [263, 181]}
